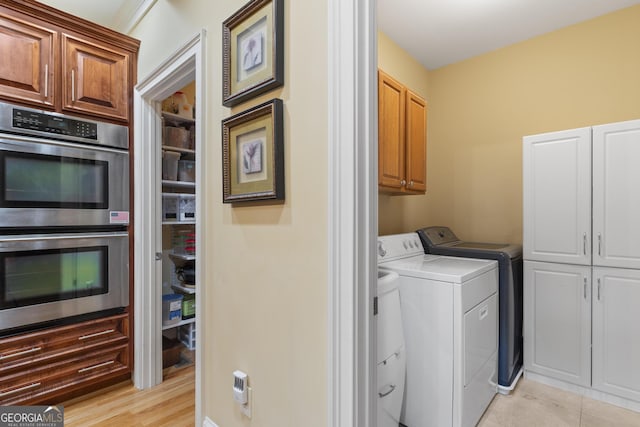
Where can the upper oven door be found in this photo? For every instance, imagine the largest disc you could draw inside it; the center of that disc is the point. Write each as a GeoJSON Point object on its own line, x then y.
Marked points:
{"type": "Point", "coordinates": [48, 183]}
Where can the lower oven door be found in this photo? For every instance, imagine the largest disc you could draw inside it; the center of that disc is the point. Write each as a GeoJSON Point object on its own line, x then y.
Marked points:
{"type": "Point", "coordinates": [47, 277]}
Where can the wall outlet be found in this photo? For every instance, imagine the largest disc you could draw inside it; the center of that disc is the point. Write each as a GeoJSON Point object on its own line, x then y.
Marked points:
{"type": "Point", "coordinates": [240, 387]}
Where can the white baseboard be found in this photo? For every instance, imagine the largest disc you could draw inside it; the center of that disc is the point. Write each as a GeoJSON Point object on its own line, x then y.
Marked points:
{"type": "Point", "coordinates": [208, 423]}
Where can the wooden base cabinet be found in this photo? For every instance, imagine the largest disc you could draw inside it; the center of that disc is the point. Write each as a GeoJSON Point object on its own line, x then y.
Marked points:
{"type": "Point", "coordinates": [49, 365]}
{"type": "Point", "coordinates": [402, 138]}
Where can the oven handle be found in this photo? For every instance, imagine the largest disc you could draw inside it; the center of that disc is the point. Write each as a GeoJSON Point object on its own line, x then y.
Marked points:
{"type": "Point", "coordinates": [32, 237]}
{"type": "Point", "coordinates": [19, 141]}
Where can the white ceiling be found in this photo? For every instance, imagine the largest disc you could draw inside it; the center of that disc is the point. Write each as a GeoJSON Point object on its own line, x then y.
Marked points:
{"type": "Point", "coordinates": [441, 32]}
{"type": "Point", "coordinates": [435, 32]}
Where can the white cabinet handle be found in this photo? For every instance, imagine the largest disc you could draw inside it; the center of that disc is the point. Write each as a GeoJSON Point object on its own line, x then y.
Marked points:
{"type": "Point", "coordinates": [387, 392]}
{"type": "Point", "coordinates": [20, 353]}
{"type": "Point", "coordinates": [97, 334]}
{"type": "Point", "coordinates": [99, 365]}
{"type": "Point", "coordinates": [18, 390]}
{"type": "Point", "coordinates": [599, 244]}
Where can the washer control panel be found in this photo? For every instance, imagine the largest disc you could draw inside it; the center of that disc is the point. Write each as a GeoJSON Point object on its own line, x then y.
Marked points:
{"type": "Point", "coordinates": [396, 246]}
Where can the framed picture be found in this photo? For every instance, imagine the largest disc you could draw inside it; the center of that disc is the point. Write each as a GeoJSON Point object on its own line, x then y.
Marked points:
{"type": "Point", "coordinates": [253, 154]}
{"type": "Point", "coordinates": [252, 51]}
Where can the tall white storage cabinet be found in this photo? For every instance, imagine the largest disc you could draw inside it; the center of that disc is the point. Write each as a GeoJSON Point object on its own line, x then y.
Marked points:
{"type": "Point", "coordinates": [581, 247]}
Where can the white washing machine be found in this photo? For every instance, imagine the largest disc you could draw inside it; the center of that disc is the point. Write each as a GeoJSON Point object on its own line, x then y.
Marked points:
{"type": "Point", "coordinates": [450, 324]}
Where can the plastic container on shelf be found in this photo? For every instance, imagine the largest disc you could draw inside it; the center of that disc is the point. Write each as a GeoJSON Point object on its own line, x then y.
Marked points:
{"type": "Point", "coordinates": [188, 306]}
{"type": "Point", "coordinates": [170, 165]}
{"type": "Point", "coordinates": [184, 242]}
{"type": "Point", "coordinates": [187, 170]}
{"type": "Point", "coordinates": [171, 309]}
{"type": "Point", "coordinates": [177, 137]}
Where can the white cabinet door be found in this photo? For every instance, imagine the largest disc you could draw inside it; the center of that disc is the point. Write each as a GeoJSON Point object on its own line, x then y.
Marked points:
{"type": "Point", "coordinates": [616, 331]}
{"type": "Point", "coordinates": [557, 321]}
{"type": "Point", "coordinates": [557, 196]}
{"type": "Point", "coordinates": [616, 194]}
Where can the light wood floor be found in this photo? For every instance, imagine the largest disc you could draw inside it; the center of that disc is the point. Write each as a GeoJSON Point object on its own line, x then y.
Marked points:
{"type": "Point", "coordinates": [170, 404]}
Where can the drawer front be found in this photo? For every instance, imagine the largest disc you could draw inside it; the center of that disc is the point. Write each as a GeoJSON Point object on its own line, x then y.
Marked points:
{"type": "Point", "coordinates": [26, 351]}
{"type": "Point", "coordinates": [80, 371]}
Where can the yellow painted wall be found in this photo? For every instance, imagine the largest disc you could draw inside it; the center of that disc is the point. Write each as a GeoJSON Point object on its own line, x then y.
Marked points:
{"type": "Point", "coordinates": [266, 306]}
{"type": "Point", "coordinates": [480, 108]}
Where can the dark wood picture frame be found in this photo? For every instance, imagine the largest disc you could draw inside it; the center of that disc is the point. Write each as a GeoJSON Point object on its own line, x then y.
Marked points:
{"type": "Point", "coordinates": [253, 154]}
{"type": "Point", "coordinates": [252, 51]}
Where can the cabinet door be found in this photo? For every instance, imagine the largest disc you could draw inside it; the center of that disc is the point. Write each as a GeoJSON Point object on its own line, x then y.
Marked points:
{"type": "Point", "coordinates": [27, 65]}
{"type": "Point", "coordinates": [391, 131]}
{"type": "Point", "coordinates": [616, 194]}
{"type": "Point", "coordinates": [95, 78]}
{"type": "Point", "coordinates": [557, 197]}
{"type": "Point", "coordinates": [416, 143]}
{"type": "Point", "coordinates": [616, 331]}
{"type": "Point", "coordinates": [557, 321]}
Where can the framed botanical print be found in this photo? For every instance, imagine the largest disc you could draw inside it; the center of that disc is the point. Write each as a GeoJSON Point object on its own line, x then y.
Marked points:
{"type": "Point", "coordinates": [253, 154]}
{"type": "Point", "coordinates": [253, 51]}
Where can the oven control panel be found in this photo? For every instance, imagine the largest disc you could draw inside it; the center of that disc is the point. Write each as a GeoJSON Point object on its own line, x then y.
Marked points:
{"type": "Point", "coordinates": [48, 123]}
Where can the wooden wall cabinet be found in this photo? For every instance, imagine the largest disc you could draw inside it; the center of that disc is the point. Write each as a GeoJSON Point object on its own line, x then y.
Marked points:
{"type": "Point", "coordinates": [54, 363]}
{"type": "Point", "coordinates": [402, 138]}
{"type": "Point", "coordinates": [28, 62]}
{"type": "Point", "coordinates": [65, 64]}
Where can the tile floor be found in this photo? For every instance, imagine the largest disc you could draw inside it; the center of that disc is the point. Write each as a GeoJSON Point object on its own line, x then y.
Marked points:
{"type": "Point", "coordinates": [533, 404]}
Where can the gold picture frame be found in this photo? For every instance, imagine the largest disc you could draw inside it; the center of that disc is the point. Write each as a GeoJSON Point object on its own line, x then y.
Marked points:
{"type": "Point", "coordinates": [253, 154]}
{"type": "Point", "coordinates": [253, 51]}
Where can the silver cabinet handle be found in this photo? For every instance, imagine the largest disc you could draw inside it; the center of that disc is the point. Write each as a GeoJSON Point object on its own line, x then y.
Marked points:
{"type": "Point", "coordinates": [599, 244]}
{"type": "Point", "coordinates": [73, 85]}
{"type": "Point", "coordinates": [411, 183]}
{"type": "Point", "coordinates": [598, 289]}
{"type": "Point", "coordinates": [46, 80]}
{"type": "Point", "coordinates": [585, 287]}
{"type": "Point", "coordinates": [97, 334]}
{"type": "Point", "coordinates": [20, 353]}
{"type": "Point", "coordinates": [584, 243]}
{"type": "Point", "coordinates": [387, 392]}
{"type": "Point", "coordinates": [99, 365]}
{"type": "Point", "coordinates": [18, 390]}
{"type": "Point", "coordinates": [403, 183]}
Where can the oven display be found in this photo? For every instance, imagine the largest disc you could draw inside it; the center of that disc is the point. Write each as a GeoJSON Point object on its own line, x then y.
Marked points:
{"type": "Point", "coordinates": [24, 119]}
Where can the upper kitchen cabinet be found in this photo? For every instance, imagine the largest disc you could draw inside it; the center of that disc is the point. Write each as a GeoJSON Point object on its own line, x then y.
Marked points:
{"type": "Point", "coordinates": [402, 138]}
{"type": "Point", "coordinates": [65, 64]}
{"type": "Point", "coordinates": [96, 78]}
{"type": "Point", "coordinates": [26, 71]}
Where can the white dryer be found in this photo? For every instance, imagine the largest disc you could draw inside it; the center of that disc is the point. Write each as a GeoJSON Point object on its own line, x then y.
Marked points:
{"type": "Point", "coordinates": [450, 324]}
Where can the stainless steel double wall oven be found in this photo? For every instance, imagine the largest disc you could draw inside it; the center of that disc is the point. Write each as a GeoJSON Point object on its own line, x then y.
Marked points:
{"type": "Point", "coordinates": [64, 215]}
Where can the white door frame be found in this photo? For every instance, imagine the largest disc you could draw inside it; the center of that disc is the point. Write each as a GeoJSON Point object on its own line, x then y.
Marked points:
{"type": "Point", "coordinates": [184, 66]}
{"type": "Point", "coordinates": [352, 211]}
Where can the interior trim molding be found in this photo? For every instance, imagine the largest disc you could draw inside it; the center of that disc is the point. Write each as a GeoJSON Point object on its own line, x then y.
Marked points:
{"type": "Point", "coordinates": [352, 216]}
{"type": "Point", "coordinates": [131, 13]}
